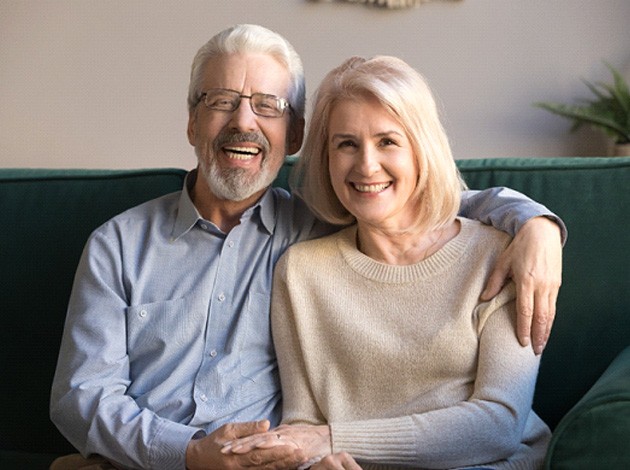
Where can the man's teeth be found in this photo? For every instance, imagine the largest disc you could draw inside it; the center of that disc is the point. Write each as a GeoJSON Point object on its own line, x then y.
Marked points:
{"type": "Point", "coordinates": [371, 188]}
{"type": "Point", "coordinates": [242, 153]}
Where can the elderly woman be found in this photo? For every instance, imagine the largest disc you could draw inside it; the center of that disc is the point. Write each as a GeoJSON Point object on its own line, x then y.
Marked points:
{"type": "Point", "coordinates": [387, 356]}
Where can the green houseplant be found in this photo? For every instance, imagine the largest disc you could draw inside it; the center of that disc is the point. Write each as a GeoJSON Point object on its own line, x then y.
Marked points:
{"type": "Point", "coordinates": [609, 110]}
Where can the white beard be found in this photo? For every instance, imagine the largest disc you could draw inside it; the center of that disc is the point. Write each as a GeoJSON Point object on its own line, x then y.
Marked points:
{"type": "Point", "coordinates": [234, 184]}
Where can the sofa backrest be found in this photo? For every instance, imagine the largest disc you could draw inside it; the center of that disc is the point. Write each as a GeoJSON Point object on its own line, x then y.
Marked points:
{"type": "Point", "coordinates": [592, 196]}
{"type": "Point", "coordinates": [46, 217]}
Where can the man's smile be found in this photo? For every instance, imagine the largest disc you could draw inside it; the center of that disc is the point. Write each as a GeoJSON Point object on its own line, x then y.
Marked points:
{"type": "Point", "coordinates": [241, 153]}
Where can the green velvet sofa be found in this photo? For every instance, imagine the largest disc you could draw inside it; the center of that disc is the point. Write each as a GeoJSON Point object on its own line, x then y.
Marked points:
{"type": "Point", "coordinates": [583, 390]}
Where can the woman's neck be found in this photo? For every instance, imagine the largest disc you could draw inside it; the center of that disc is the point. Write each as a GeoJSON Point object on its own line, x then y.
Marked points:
{"type": "Point", "coordinates": [403, 247]}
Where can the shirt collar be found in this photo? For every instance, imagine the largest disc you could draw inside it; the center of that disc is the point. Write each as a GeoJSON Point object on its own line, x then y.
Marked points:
{"type": "Point", "coordinates": [263, 212]}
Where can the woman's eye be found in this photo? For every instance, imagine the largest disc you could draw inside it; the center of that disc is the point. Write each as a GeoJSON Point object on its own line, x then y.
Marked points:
{"type": "Point", "coordinates": [346, 143]}
{"type": "Point", "coordinates": [387, 141]}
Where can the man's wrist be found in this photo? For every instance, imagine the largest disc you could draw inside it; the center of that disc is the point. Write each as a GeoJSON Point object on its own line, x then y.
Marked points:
{"type": "Point", "coordinates": [557, 221]}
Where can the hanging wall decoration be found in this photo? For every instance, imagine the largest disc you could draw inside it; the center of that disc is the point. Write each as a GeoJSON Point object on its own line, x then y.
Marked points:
{"type": "Point", "coordinates": [393, 4]}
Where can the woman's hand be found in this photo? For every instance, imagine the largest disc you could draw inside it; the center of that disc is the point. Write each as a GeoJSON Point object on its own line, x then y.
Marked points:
{"type": "Point", "coordinates": [339, 461]}
{"type": "Point", "coordinates": [534, 262]}
{"type": "Point", "coordinates": [314, 441]}
{"type": "Point", "coordinates": [206, 452]}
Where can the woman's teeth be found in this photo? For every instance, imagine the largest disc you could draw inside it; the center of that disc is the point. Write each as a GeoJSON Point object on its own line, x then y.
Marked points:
{"type": "Point", "coordinates": [371, 188]}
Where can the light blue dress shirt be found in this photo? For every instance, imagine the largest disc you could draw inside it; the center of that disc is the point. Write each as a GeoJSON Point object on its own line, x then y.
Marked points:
{"type": "Point", "coordinates": [167, 334]}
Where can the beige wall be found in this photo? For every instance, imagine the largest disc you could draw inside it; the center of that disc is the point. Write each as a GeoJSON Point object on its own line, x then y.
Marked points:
{"type": "Point", "coordinates": [102, 84]}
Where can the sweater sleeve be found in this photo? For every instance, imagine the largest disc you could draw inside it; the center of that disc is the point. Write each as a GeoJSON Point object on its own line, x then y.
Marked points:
{"type": "Point", "coordinates": [299, 405]}
{"type": "Point", "coordinates": [485, 428]}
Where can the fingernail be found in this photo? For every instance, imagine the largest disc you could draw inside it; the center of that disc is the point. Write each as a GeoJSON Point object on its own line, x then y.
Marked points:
{"type": "Point", "coordinates": [226, 449]}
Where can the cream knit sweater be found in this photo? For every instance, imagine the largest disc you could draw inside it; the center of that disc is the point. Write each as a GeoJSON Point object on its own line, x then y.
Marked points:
{"type": "Point", "coordinates": [404, 362]}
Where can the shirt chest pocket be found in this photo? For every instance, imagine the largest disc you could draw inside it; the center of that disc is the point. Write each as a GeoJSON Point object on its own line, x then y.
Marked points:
{"type": "Point", "coordinates": [169, 328]}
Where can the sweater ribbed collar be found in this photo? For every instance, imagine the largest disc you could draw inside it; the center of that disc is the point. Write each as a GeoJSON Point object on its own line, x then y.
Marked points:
{"type": "Point", "coordinates": [396, 274]}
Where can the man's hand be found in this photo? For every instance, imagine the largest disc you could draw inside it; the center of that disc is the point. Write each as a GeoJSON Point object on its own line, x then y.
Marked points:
{"type": "Point", "coordinates": [205, 453]}
{"type": "Point", "coordinates": [534, 262]}
{"type": "Point", "coordinates": [313, 440]}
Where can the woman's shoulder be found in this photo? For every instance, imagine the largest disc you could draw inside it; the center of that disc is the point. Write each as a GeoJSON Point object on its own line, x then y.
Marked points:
{"type": "Point", "coordinates": [483, 235]}
{"type": "Point", "coordinates": [311, 254]}
{"type": "Point", "coordinates": [322, 244]}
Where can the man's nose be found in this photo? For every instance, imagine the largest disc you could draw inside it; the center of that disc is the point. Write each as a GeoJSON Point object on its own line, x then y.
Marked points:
{"type": "Point", "coordinates": [243, 118]}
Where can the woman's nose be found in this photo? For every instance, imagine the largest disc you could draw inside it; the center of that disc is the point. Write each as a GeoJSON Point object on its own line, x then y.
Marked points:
{"type": "Point", "coordinates": [367, 160]}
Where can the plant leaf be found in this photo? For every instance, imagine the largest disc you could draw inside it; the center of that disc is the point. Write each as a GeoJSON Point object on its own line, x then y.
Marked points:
{"type": "Point", "coordinates": [609, 110]}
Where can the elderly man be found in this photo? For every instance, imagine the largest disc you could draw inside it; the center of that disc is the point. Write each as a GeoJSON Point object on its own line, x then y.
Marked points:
{"type": "Point", "coordinates": [166, 353]}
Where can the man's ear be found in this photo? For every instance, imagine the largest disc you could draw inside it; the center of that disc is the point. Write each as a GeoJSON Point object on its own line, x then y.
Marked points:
{"type": "Point", "coordinates": [190, 131]}
{"type": "Point", "coordinates": [296, 136]}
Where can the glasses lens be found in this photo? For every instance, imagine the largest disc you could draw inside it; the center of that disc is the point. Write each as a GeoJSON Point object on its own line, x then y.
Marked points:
{"type": "Point", "coordinates": [267, 105]}
{"type": "Point", "coordinates": [261, 103]}
{"type": "Point", "coordinates": [222, 100]}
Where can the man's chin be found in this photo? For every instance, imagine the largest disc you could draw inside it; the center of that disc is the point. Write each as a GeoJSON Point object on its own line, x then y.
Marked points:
{"type": "Point", "coordinates": [235, 190]}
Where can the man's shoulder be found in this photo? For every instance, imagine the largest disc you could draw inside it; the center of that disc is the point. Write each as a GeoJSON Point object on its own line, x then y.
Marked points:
{"type": "Point", "coordinates": [153, 210]}
{"type": "Point", "coordinates": [295, 220]}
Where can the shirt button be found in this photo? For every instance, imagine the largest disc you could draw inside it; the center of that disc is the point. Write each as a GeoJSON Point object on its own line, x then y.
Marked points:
{"type": "Point", "coordinates": [213, 353]}
{"type": "Point", "coordinates": [221, 297]}
{"type": "Point", "coordinates": [231, 244]}
{"type": "Point", "coordinates": [203, 397]}
{"type": "Point", "coordinates": [143, 313]}
{"type": "Point", "coordinates": [204, 226]}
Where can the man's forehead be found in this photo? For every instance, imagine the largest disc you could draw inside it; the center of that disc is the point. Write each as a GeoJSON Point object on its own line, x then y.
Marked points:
{"type": "Point", "coordinates": [249, 73]}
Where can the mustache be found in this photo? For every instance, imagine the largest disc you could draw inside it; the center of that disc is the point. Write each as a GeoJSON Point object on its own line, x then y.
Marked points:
{"type": "Point", "coordinates": [236, 137]}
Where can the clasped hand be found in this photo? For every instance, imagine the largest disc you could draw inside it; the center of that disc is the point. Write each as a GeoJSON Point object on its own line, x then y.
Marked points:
{"type": "Point", "coordinates": [211, 452]}
{"type": "Point", "coordinates": [313, 441]}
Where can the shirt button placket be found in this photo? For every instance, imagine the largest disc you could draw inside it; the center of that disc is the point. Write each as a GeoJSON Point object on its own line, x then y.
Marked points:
{"type": "Point", "coordinates": [209, 381]}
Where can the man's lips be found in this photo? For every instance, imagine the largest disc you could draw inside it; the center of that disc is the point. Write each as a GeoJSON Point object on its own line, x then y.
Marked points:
{"type": "Point", "coordinates": [371, 188]}
{"type": "Point", "coordinates": [241, 152]}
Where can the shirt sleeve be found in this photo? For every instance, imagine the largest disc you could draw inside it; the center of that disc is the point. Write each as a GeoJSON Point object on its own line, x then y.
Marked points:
{"type": "Point", "coordinates": [485, 428]}
{"type": "Point", "coordinates": [89, 403]}
{"type": "Point", "coordinates": [505, 209]}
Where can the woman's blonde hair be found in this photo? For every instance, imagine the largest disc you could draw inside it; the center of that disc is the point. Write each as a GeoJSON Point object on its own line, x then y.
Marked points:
{"type": "Point", "coordinates": [406, 96]}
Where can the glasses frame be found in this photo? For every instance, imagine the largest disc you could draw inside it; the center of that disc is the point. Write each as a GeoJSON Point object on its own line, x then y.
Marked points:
{"type": "Point", "coordinates": [283, 104]}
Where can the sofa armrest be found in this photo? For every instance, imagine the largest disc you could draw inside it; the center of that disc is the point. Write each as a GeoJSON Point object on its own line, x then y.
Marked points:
{"type": "Point", "coordinates": [594, 433]}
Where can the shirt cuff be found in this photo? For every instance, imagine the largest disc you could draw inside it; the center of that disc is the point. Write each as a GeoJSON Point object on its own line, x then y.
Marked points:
{"type": "Point", "coordinates": [168, 448]}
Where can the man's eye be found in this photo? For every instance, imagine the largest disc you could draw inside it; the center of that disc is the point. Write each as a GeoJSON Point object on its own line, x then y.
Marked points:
{"type": "Point", "coordinates": [220, 102]}
{"type": "Point", "coordinates": [267, 105]}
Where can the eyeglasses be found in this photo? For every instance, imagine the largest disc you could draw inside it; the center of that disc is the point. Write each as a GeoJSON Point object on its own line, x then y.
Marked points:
{"type": "Point", "coordinates": [262, 104]}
